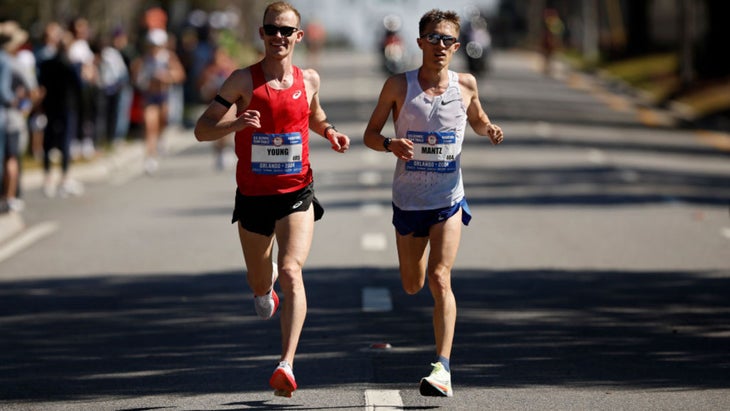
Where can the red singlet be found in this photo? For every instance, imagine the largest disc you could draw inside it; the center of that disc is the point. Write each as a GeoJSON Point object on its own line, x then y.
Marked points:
{"type": "Point", "coordinates": [274, 159]}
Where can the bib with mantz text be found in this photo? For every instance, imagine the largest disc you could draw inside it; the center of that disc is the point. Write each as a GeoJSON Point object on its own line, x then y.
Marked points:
{"type": "Point", "coordinates": [433, 151]}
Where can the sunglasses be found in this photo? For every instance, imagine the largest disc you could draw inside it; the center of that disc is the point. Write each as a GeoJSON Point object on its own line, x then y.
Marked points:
{"type": "Point", "coordinates": [286, 31]}
{"type": "Point", "coordinates": [435, 38]}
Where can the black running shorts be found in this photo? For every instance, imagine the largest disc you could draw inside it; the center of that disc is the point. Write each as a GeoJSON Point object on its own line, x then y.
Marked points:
{"type": "Point", "coordinates": [259, 214]}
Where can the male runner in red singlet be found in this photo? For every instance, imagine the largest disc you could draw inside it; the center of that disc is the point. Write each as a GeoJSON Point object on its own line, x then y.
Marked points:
{"type": "Point", "coordinates": [271, 106]}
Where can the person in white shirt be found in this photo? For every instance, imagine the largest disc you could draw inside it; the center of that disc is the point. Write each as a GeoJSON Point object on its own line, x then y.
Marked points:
{"type": "Point", "coordinates": [431, 107]}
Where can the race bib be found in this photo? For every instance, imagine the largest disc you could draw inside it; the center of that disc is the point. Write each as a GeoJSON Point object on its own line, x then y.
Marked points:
{"type": "Point", "coordinates": [433, 151]}
{"type": "Point", "coordinates": [275, 154]}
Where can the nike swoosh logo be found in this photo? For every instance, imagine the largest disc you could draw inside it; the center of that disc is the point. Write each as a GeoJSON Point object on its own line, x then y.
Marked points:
{"type": "Point", "coordinates": [443, 103]}
{"type": "Point", "coordinates": [296, 205]}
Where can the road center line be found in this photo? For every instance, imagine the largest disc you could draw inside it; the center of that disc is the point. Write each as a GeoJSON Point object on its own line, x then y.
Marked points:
{"type": "Point", "coordinates": [372, 209]}
{"type": "Point", "coordinates": [373, 242]}
{"type": "Point", "coordinates": [726, 232]}
{"type": "Point", "coordinates": [596, 156]}
{"type": "Point", "coordinates": [369, 178]}
{"type": "Point", "coordinates": [383, 400]}
{"type": "Point", "coordinates": [376, 299]}
{"type": "Point", "coordinates": [26, 238]}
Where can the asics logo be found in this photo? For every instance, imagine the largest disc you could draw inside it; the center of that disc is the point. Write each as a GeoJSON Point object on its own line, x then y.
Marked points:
{"type": "Point", "coordinates": [296, 205]}
{"type": "Point", "coordinates": [297, 94]}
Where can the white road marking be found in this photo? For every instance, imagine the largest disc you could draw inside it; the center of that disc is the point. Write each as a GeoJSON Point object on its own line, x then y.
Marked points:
{"type": "Point", "coordinates": [10, 224]}
{"type": "Point", "coordinates": [26, 238]}
{"type": "Point", "coordinates": [726, 232]}
{"type": "Point", "coordinates": [372, 209]}
{"type": "Point", "coordinates": [543, 129]}
{"type": "Point", "coordinates": [629, 176]}
{"type": "Point", "coordinates": [376, 299]}
{"type": "Point", "coordinates": [383, 400]}
{"type": "Point", "coordinates": [369, 178]}
{"type": "Point", "coordinates": [373, 242]}
{"type": "Point", "coordinates": [371, 156]}
{"type": "Point", "coordinates": [596, 156]}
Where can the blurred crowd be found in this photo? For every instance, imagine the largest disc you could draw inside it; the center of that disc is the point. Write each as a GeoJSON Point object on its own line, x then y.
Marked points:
{"type": "Point", "coordinates": [71, 95]}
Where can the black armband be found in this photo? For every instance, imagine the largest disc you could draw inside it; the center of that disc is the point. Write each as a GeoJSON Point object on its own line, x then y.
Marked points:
{"type": "Point", "coordinates": [223, 101]}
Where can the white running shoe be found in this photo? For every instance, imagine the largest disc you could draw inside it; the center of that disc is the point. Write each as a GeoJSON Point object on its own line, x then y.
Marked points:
{"type": "Point", "coordinates": [70, 187]}
{"type": "Point", "coordinates": [88, 151]}
{"type": "Point", "coordinates": [283, 381]}
{"type": "Point", "coordinates": [151, 165]}
{"type": "Point", "coordinates": [266, 305]}
{"type": "Point", "coordinates": [438, 384]}
{"type": "Point", "coordinates": [16, 204]}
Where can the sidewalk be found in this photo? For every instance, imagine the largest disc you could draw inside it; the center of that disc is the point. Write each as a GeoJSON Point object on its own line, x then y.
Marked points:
{"type": "Point", "coordinates": [620, 96]}
{"type": "Point", "coordinates": [127, 159]}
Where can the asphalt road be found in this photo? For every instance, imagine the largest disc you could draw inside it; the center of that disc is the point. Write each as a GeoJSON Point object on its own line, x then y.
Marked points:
{"type": "Point", "coordinates": [594, 274]}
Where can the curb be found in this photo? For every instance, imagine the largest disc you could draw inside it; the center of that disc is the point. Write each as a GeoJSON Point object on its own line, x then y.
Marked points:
{"type": "Point", "coordinates": [623, 100]}
{"type": "Point", "coordinates": [97, 170]}
{"type": "Point", "coordinates": [11, 223]}
{"type": "Point", "coordinates": [620, 96]}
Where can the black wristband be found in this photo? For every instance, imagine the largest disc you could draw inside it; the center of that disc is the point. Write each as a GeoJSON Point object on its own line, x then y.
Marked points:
{"type": "Point", "coordinates": [225, 103]}
{"type": "Point", "coordinates": [326, 129]}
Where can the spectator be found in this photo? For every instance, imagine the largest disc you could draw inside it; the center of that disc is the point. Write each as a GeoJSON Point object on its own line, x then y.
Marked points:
{"type": "Point", "coordinates": [62, 91]}
{"type": "Point", "coordinates": [315, 39]}
{"type": "Point", "coordinates": [52, 36]}
{"type": "Point", "coordinates": [176, 92]}
{"type": "Point", "coordinates": [209, 82]}
{"type": "Point", "coordinates": [113, 81]}
{"type": "Point", "coordinates": [552, 37]}
{"type": "Point", "coordinates": [82, 57]}
{"type": "Point", "coordinates": [7, 99]}
{"type": "Point", "coordinates": [24, 87]}
{"type": "Point", "coordinates": [120, 41]}
{"type": "Point", "coordinates": [153, 74]}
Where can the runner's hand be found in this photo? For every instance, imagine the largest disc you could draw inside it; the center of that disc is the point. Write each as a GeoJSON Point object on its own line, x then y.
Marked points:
{"type": "Point", "coordinates": [495, 134]}
{"type": "Point", "coordinates": [249, 118]}
{"type": "Point", "coordinates": [340, 142]}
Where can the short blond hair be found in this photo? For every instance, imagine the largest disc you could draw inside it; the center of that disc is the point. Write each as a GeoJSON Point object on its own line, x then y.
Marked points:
{"type": "Point", "coordinates": [279, 7]}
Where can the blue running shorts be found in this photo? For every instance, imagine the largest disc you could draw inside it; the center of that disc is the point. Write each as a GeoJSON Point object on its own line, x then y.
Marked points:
{"type": "Point", "coordinates": [419, 222]}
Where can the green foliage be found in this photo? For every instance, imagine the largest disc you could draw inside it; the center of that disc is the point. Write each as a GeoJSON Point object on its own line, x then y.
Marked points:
{"type": "Point", "coordinates": [646, 68]}
{"type": "Point", "coordinates": [242, 53]}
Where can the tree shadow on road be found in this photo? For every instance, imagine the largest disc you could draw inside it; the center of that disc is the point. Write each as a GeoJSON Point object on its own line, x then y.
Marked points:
{"type": "Point", "coordinates": [72, 339]}
{"type": "Point", "coordinates": [561, 184]}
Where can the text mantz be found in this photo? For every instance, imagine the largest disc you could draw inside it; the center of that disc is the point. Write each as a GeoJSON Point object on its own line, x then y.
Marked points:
{"type": "Point", "coordinates": [431, 150]}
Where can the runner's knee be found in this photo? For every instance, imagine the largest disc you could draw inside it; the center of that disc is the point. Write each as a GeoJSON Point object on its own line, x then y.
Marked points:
{"type": "Point", "coordinates": [411, 283]}
{"type": "Point", "coordinates": [290, 276]}
{"type": "Point", "coordinates": [439, 281]}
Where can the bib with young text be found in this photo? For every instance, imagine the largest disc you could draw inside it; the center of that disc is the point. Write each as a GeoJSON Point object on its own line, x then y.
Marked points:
{"type": "Point", "coordinates": [275, 154]}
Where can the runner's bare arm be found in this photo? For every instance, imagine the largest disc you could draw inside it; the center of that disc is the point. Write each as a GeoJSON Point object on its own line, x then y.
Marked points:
{"type": "Point", "coordinates": [475, 114]}
{"type": "Point", "coordinates": [318, 118]}
{"type": "Point", "coordinates": [218, 120]}
{"type": "Point", "coordinates": [391, 98]}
